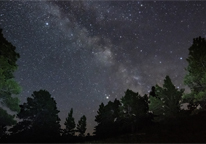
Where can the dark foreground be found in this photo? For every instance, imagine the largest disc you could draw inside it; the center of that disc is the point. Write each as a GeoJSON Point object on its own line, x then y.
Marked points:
{"type": "Point", "coordinates": [184, 130]}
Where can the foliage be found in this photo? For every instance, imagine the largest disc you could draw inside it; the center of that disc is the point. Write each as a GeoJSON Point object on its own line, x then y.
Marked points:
{"type": "Point", "coordinates": [70, 124]}
{"type": "Point", "coordinates": [107, 119]}
{"type": "Point", "coordinates": [8, 86]}
{"type": "Point", "coordinates": [99, 118]}
{"type": "Point", "coordinates": [5, 118]}
{"type": "Point", "coordinates": [8, 58]}
{"type": "Point", "coordinates": [81, 126]}
{"type": "Point", "coordinates": [167, 101]}
{"type": "Point", "coordinates": [123, 116]}
{"type": "Point", "coordinates": [133, 110]}
{"type": "Point", "coordinates": [132, 104]}
{"type": "Point", "coordinates": [196, 73]}
{"type": "Point", "coordinates": [39, 116]}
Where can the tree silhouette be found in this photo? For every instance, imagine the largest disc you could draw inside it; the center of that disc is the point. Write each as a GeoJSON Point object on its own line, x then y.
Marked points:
{"type": "Point", "coordinates": [167, 100]}
{"type": "Point", "coordinates": [39, 117]}
{"type": "Point", "coordinates": [81, 126]}
{"type": "Point", "coordinates": [8, 86]}
{"type": "Point", "coordinates": [134, 108]}
{"type": "Point", "coordinates": [70, 125]}
{"type": "Point", "coordinates": [196, 73]}
{"type": "Point", "coordinates": [107, 119]}
{"type": "Point", "coordinates": [100, 119]}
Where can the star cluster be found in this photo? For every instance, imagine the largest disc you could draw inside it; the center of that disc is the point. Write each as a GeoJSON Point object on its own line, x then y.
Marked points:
{"type": "Point", "coordinates": [88, 52]}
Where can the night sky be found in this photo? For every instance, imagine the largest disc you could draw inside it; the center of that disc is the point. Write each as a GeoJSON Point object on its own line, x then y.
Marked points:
{"type": "Point", "coordinates": [88, 52]}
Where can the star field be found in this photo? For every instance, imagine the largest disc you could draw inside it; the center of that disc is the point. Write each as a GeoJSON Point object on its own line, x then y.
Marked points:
{"type": "Point", "coordinates": [88, 52]}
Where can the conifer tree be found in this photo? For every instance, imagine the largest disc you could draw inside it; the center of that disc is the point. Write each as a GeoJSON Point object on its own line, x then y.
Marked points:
{"type": "Point", "coordinates": [100, 119]}
{"type": "Point", "coordinates": [8, 85]}
{"type": "Point", "coordinates": [81, 126]}
{"type": "Point", "coordinates": [107, 119]}
{"type": "Point", "coordinates": [196, 74]}
{"type": "Point", "coordinates": [70, 124]}
{"type": "Point", "coordinates": [39, 117]}
{"type": "Point", "coordinates": [167, 100]}
{"type": "Point", "coordinates": [133, 104]}
{"type": "Point", "coordinates": [133, 109]}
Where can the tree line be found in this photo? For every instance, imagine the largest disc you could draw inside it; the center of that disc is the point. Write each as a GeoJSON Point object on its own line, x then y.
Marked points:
{"type": "Point", "coordinates": [37, 119]}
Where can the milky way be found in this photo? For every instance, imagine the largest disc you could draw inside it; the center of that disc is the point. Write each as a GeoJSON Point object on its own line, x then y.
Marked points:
{"type": "Point", "coordinates": [88, 52]}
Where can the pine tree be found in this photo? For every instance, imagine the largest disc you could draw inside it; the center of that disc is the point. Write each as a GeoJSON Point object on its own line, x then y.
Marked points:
{"type": "Point", "coordinates": [196, 74]}
{"type": "Point", "coordinates": [8, 86]}
{"type": "Point", "coordinates": [167, 102]}
{"type": "Point", "coordinates": [133, 104]}
{"type": "Point", "coordinates": [81, 126]}
{"type": "Point", "coordinates": [70, 124]}
{"type": "Point", "coordinates": [100, 119]}
{"type": "Point", "coordinates": [107, 119]}
{"type": "Point", "coordinates": [133, 109]}
{"type": "Point", "coordinates": [100, 114]}
{"type": "Point", "coordinates": [39, 117]}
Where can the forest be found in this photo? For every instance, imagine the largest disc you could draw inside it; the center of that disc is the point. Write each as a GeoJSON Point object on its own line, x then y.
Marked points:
{"type": "Point", "coordinates": [165, 114]}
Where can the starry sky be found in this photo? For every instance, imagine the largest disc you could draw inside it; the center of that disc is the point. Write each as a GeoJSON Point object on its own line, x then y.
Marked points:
{"type": "Point", "coordinates": [88, 52]}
